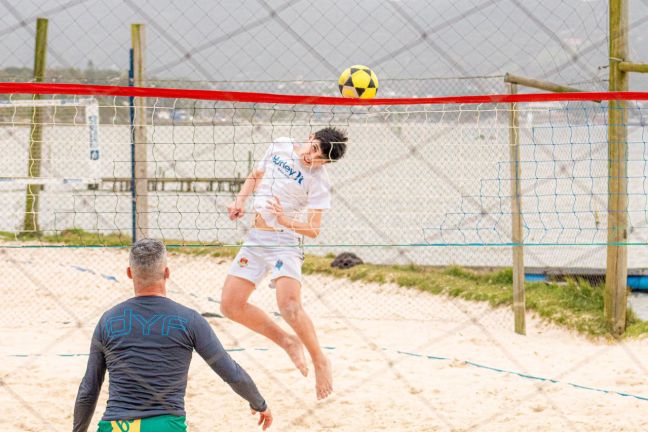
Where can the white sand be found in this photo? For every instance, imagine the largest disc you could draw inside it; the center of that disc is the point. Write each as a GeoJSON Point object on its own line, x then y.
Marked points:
{"type": "Point", "coordinates": [51, 300]}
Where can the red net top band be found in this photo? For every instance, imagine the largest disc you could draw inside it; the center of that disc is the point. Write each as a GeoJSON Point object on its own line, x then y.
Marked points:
{"type": "Point", "coordinates": [271, 98]}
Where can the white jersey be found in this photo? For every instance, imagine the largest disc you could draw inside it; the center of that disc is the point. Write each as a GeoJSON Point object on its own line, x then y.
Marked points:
{"type": "Point", "coordinates": [298, 187]}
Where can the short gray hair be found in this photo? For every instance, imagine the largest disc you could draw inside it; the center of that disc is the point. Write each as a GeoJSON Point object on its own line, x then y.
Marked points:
{"type": "Point", "coordinates": [147, 259]}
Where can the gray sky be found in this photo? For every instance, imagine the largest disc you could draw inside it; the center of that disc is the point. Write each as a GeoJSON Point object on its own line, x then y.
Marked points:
{"type": "Point", "coordinates": [560, 41]}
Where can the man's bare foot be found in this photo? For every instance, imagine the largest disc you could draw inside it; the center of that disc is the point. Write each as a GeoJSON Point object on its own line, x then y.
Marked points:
{"type": "Point", "coordinates": [295, 350]}
{"type": "Point", "coordinates": [323, 378]}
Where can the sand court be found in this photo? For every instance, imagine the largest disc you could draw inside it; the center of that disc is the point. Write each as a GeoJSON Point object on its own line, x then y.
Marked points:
{"type": "Point", "coordinates": [402, 359]}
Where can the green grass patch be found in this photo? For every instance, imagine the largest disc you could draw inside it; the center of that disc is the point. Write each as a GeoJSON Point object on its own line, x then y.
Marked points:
{"type": "Point", "coordinates": [8, 236]}
{"type": "Point", "coordinates": [576, 305]}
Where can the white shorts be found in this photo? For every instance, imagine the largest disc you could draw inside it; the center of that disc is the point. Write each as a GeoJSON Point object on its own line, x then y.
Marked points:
{"type": "Point", "coordinates": [278, 251]}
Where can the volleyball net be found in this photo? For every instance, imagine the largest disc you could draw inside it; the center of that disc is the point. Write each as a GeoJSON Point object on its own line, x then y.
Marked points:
{"type": "Point", "coordinates": [419, 174]}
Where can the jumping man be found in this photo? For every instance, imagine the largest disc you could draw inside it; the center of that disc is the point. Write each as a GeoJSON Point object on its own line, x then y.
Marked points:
{"type": "Point", "coordinates": [289, 181]}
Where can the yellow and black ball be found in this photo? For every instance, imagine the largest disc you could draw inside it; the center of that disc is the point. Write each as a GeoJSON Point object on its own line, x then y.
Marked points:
{"type": "Point", "coordinates": [358, 82]}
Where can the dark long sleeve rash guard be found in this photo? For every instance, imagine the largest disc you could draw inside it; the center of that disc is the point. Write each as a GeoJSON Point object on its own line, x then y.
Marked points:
{"type": "Point", "coordinates": [146, 344]}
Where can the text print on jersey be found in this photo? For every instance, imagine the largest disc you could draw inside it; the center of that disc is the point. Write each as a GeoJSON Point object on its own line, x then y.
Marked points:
{"type": "Point", "coordinates": [122, 325]}
{"type": "Point", "coordinates": [287, 170]}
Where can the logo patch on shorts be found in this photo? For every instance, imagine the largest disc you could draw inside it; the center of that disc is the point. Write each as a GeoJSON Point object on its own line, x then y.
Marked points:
{"type": "Point", "coordinates": [243, 262]}
{"type": "Point", "coordinates": [279, 264]}
{"type": "Point", "coordinates": [126, 425]}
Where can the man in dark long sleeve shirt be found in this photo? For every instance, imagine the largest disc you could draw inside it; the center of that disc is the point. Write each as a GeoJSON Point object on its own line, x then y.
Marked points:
{"type": "Point", "coordinates": [146, 344]}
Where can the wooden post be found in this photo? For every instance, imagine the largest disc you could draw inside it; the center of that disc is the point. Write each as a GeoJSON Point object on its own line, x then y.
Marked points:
{"type": "Point", "coordinates": [542, 85]}
{"type": "Point", "coordinates": [139, 134]}
{"type": "Point", "coordinates": [30, 223]}
{"type": "Point", "coordinates": [616, 296]}
{"type": "Point", "coordinates": [519, 305]}
{"type": "Point", "coordinates": [632, 67]}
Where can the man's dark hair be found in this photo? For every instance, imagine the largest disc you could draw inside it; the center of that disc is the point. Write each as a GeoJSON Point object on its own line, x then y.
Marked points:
{"type": "Point", "coordinates": [332, 142]}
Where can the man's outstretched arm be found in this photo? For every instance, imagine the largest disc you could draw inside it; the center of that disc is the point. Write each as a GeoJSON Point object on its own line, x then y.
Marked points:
{"type": "Point", "coordinates": [211, 350]}
{"type": "Point", "coordinates": [88, 394]}
{"type": "Point", "coordinates": [237, 208]}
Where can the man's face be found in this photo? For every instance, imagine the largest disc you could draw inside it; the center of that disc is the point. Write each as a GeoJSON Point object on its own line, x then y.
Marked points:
{"type": "Point", "coordinates": [311, 155]}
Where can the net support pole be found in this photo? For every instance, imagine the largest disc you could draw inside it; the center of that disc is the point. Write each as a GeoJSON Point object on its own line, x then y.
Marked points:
{"type": "Point", "coordinates": [542, 85]}
{"type": "Point", "coordinates": [139, 136]}
{"type": "Point", "coordinates": [30, 223]}
{"type": "Point", "coordinates": [633, 67]}
{"type": "Point", "coordinates": [519, 305]}
{"type": "Point", "coordinates": [131, 118]}
{"type": "Point", "coordinates": [616, 295]}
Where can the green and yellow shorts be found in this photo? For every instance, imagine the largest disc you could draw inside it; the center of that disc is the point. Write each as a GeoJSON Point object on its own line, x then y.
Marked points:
{"type": "Point", "coordinates": [163, 423]}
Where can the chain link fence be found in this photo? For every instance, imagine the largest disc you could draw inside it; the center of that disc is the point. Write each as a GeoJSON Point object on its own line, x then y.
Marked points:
{"type": "Point", "coordinates": [300, 40]}
{"type": "Point", "coordinates": [403, 358]}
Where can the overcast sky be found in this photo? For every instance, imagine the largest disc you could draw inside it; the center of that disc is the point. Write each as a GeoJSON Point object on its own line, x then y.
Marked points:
{"type": "Point", "coordinates": [207, 40]}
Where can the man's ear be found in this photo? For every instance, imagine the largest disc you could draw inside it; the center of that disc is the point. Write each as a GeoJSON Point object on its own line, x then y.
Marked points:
{"type": "Point", "coordinates": [129, 273]}
{"type": "Point", "coordinates": [167, 273]}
